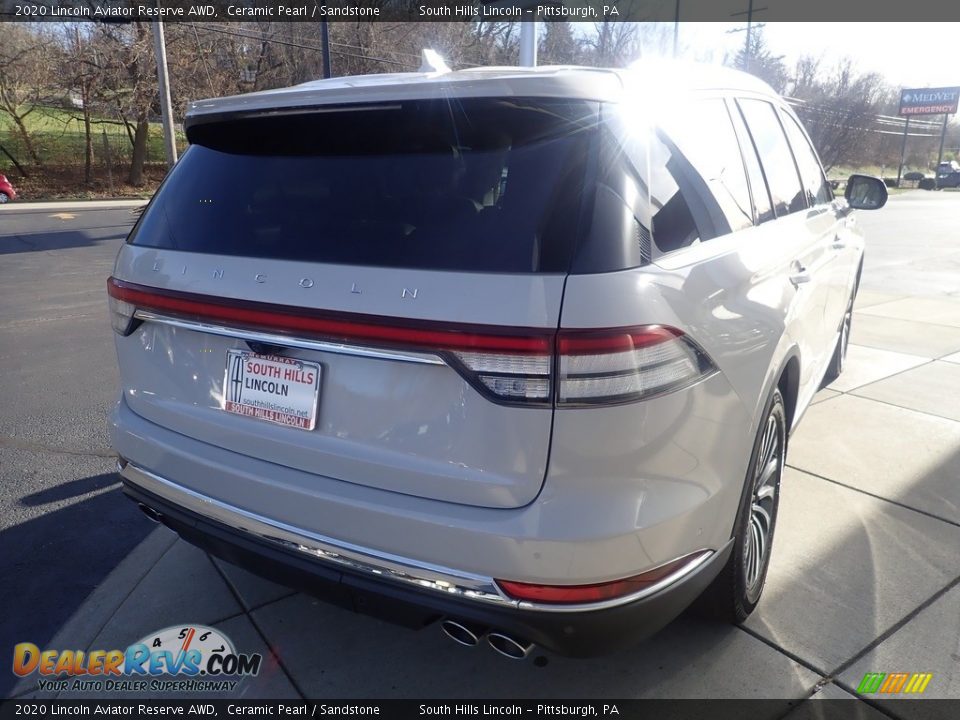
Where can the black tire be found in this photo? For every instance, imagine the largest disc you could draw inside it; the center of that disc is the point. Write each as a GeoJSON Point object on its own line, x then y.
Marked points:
{"type": "Point", "coordinates": [837, 362]}
{"type": "Point", "coordinates": [735, 592]}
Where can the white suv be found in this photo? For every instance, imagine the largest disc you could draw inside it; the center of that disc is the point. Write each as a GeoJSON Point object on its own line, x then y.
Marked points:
{"type": "Point", "coordinates": [514, 350]}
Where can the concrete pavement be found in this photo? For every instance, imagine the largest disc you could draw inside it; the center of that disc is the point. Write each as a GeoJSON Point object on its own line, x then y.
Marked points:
{"type": "Point", "coordinates": [864, 576]}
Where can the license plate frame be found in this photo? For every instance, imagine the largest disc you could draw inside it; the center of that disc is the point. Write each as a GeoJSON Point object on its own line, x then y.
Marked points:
{"type": "Point", "coordinates": [253, 386]}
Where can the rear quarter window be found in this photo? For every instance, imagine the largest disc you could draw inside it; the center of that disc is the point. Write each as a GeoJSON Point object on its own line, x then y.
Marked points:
{"type": "Point", "coordinates": [663, 186]}
{"type": "Point", "coordinates": [775, 156]}
{"type": "Point", "coordinates": [811, 173]}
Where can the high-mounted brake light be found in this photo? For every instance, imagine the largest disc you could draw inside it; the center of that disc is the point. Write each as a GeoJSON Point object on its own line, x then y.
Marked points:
{"type": "Point", "coordinates": [528, 366]}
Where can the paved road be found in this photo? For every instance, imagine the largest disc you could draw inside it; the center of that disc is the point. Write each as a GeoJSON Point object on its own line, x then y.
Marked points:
{"type": "Point", "coordinates": [63, 525]}
{"type": "Point", "coordinates": [864, 578]}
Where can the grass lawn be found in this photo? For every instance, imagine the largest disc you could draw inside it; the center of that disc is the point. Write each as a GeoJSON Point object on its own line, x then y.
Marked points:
{"type": "Point", "coordinates": [58, 136]}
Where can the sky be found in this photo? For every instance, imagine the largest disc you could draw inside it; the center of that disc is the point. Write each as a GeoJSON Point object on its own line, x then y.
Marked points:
{"type": "Point", "coordinates": [906, 54]}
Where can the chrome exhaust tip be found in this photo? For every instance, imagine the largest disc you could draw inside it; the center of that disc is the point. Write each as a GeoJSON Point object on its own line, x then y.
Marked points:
{"type": "Point", "coordinates": [509, 647]}
{"type": "Point", "coordinates": [463, 633]}
{"type": "Point", "coordinates": [150, 513]}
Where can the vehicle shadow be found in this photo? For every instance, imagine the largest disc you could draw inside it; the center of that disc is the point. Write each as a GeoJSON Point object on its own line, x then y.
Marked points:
{"type": "Point", "coordinates": [52, 563]}
{"type": "Point", "coordinates": [14, 242]}
{"type": "Point", "coordinates": [70, 489]}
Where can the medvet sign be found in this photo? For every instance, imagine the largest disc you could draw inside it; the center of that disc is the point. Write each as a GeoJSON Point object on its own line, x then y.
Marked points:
{"type": "Point", "coordinates": [929, 101]}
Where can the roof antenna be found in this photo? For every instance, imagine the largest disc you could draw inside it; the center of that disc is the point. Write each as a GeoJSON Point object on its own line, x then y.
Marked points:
{"type": "Point", "coordinates": [431, 62]}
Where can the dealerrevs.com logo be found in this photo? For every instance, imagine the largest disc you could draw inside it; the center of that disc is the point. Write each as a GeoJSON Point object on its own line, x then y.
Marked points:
{"type": "Point", "coordinates": [184, 658]}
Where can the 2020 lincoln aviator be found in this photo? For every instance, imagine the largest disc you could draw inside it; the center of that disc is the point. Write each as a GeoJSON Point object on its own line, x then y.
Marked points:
{"type": "Point", "coordinates": [514, 350]}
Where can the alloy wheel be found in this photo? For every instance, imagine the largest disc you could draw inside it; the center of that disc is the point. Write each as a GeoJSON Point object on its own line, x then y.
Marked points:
{"type": "Point", "coordinates": [766, 485]}
{"type": "Point", "coordinates": [844, 340]}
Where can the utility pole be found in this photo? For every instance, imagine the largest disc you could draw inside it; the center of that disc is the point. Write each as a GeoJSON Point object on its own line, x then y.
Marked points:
{"type": "Point", "coordinates": [325, 43]}
{"type": "Point", "coordinates": [528, 43]}
{"type": "Point", "coordinates": [903, 149]}
{"type": "Point", "coordinates": [943, 134]}
{"type": "Point", "coordinates": [676, 27]}
{"type": "Point", "coordinates": [166, 111]}
{"type": "Point", "coordinates": [749, 13]}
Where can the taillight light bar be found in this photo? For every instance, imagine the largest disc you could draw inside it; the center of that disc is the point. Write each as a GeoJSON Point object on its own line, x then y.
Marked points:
{"type": "Point", "coordinates": [524, 366]}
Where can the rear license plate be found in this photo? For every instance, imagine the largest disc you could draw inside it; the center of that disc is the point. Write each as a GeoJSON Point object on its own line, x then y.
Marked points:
{"type": "Point", "coordinates": [268, 387]}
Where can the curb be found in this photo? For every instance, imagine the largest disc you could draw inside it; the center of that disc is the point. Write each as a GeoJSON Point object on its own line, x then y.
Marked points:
{"type": "Point", "coordinates": [71, 205]}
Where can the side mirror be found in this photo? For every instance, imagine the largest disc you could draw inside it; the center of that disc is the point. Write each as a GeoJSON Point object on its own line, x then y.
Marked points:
{"type": "Point", "coordinates": [865, 192]}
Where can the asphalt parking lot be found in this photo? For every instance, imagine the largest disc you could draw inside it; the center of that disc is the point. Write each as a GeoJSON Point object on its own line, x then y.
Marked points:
{"type": "Point", "coordinates": [865, 574]}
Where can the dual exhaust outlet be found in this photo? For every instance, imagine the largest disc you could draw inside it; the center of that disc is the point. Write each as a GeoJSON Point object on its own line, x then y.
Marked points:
{"type": "Point", "coordinates": [471, 635]}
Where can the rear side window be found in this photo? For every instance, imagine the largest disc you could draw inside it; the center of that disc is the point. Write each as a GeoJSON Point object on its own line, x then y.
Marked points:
{"type": "Point", "coordinates": [814, 183]}
{"type": "Point", "coordinates": [654, 193]}
{"type": "Point", "coordinates": [485, 184]}
{"type": "Point", "coordinates": [703, 133]}
{"type": "Point", "coordinates": [762, 208]}
{"type": "Point", "coordinates": [785, 190]}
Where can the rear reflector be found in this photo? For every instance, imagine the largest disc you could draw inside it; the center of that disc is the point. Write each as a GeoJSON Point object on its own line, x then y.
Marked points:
{"type": "Point", "coordinates": [526, 366]}
{"type": "Point", "coordinates": [599, 592]}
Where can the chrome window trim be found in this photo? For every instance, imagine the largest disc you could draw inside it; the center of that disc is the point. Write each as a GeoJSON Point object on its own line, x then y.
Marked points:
{"type": "Point", "coordinates": [389, 567]}
{"type": "Point", "coordinates": [290, 341]}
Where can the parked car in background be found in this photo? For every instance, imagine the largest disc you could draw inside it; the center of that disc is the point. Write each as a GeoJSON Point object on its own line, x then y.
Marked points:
{"type": "Point", "coordinates": [948, 174]}
{"type": "Point", "coordinates": [913, 176]}
{"type": "Point", "coordinates": [7, 193]}
{"type": "Point", "coordinates": [518, 350]}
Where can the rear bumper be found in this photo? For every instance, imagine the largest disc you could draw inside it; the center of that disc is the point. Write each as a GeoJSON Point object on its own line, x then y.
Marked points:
{"type": "Point", "coordinates": [401, 592]}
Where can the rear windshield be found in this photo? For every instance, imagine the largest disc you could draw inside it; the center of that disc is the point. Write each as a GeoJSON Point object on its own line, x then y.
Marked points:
{"type": "Point", "coordinates": [485, 184]}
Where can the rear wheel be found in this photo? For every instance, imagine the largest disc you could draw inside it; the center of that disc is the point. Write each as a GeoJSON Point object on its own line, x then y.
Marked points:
{"type": "Point", "coordinates": [737, 589]}
{"type": "Point", "coordinates": [4, 198]}
{"type": "Point", "coordinates": [840, 351]}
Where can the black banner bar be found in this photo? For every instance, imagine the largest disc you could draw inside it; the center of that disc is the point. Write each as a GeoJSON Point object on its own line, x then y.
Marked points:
{"type": "Point", "coordinates": [800, 709]}
{"type": "Point", "coordinates": [854, 11]}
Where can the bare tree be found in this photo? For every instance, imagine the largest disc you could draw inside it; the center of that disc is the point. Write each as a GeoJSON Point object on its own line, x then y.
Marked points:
{"type": "Point", "coordinates": [26, 76]}
{"type": "Point", "coordinates": [559, 45]}
{"type": "Point", "coordinates": [82, 75]}
{"type": "Point", "coordinates": [839, 109]}
{"type": "Point", "coordinates": [757, 59]}
{"type": "Point", "coordinates": [614, 44]}
{"type": "Point", "coordinates": [131, 78]}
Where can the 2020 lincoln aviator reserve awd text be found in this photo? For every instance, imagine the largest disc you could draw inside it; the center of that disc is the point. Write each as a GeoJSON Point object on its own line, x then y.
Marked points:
{"type": "Point", "coordinates": [516, 350]}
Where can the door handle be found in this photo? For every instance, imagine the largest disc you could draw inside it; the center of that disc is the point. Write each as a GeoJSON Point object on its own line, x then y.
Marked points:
{"type": "Point", "coordinates": [838, 243]}
{"type": "Point", "coordinates": [800, 277]}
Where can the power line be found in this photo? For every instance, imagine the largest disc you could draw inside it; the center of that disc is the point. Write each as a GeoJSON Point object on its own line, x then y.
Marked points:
{"type": "Point", "coordinates": [264, 38]}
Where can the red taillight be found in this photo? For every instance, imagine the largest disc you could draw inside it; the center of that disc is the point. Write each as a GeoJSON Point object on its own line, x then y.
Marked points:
{"type": "Point", "coordinates": [121, 311]}
{"type": "Point", "coordinates": [598, 592]}
{"type": "Point", "coordinates": [281, 318]}
{"type": "Point", "coordinates": [517, 365]}
{"type": "Point", "coordinates": [625, 364]}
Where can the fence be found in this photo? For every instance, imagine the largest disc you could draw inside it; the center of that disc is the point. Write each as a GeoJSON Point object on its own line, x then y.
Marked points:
{"type": "Point", "coordinates": [59, 139]}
